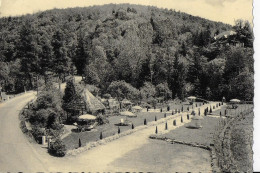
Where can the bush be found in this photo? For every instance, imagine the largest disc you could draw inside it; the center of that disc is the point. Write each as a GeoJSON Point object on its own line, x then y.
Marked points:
{"type": "Point", "coordinates": [57, 148]}
{"type": "Point", "coordinates": [174, 122]}
{"type": "Point", "coordinates": [101, 136]}
{"type": "Point", "coordinates": [102, 120]}
{"type": "Point", "coordinates": [121, 90]}
{"type": "Point", "coordinates": [37, 133]}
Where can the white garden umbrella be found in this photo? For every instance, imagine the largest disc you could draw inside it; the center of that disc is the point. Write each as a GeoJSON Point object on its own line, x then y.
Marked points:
{"type": "Point", "coordinates": [127, 113]}
{"type": "Point", "coordinates": [87, 117]}
{"type": "Point", "coordinates": [235, 100]}
{"type": "Point", "coordinates": [137, 107]}
{"type": "Point", "coordinates": [192, 97]}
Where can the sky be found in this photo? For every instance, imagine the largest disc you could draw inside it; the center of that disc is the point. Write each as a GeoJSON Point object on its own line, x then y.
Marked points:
{"type": "Point", "coordinates": [226, 11]}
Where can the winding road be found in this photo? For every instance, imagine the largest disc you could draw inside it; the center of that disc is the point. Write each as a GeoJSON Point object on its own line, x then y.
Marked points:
{"type": "Point", "coordinates": [18, 154]}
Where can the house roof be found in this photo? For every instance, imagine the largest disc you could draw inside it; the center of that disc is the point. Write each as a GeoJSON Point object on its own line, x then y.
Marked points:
{"type": "Point", "coordinates": [225, 34]}
{"type": "Point", "coordinates": [92, 102]}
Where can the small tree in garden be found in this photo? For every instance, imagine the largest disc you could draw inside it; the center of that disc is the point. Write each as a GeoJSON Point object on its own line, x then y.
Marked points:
{"type": "Point", "coordinates": [210, 111]}
{"type": "Point", "coordinates": [156, 130]}
{"type": "Point", "coordinates": [101, 135]}
{"type": "Point", "coordinates": [145, 123]}
{"type": "Point", "coordinates": [118, 131]}
{"type": "Point", "coordinates": [166, 126]}
{"type": "Point", "coordinates": [188, 116]}
{"type": "Point", "coordinates": [181, 119]}
{"type": "Point", "coordinates": [133, 126]}
{"type": "Point", "coordinates": [205, 112]}
{"type": "Point", "coordinates": [79, 143]}
{"type": "Point", "coordinates": [174, 122]}
{"type": "Point", "coordinates": [57, 148]}
{"type": "Point", "coordinates": [199, 111]}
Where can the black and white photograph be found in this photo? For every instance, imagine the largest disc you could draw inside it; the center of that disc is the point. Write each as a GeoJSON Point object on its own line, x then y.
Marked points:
{"type": "Point", "coordinates": [127, 86]}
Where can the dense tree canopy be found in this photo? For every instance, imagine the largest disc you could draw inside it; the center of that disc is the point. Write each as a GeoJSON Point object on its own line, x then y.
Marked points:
{"type": "Point", "coordinates": [131, 43]}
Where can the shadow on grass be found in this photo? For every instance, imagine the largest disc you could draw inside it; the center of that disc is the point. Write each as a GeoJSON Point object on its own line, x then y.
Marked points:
{"type": "Point", "coordinates": [121, 124]}
{"type": "Point", "coordinates": [192, 127]}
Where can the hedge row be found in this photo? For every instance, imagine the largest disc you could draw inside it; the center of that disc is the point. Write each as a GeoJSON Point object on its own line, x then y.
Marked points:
{"type": "Point", "coordinates": [222, 144]}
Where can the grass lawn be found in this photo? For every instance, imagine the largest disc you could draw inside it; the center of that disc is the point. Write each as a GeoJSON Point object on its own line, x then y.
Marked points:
{"type": "Point", "coordinates": [241, 143]}
{"type": "Point", "coordinates": [160, 156]}
{"type": "Point", "coordinates": [71, 141]}
{"type": "Point", "coordinates": [203, 135]}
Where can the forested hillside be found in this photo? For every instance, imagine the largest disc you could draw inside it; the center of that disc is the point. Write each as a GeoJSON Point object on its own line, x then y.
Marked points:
{"type": "Point", "coordinates": [131, 43]}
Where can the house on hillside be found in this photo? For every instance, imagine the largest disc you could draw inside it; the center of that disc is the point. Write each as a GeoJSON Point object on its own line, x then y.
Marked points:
{"type": "Point", "coordinates": [227, 38]}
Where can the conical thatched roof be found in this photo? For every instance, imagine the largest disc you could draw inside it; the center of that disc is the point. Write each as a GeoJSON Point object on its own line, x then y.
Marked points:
{"type": "Point", "coordinates": [92, 102]}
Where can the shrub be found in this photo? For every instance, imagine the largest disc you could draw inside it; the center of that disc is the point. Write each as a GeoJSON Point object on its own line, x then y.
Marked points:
{"type": "Point", "coordinates": [102, 120]}
{"type": "Point", "coordinates": [79, 143]}
{"type": "Point", "coordinates": [145, 123]}
{"type": "Point", "coordinates": [37, 133]}
{"type": "Point", "coordinates": [174, 122]}
{"type": "Point", "coordinates": [101, 135]}
{"type": "Point", "coordinates": [121, 90]}
{"type": "Point", "coordinates": [57, 148]}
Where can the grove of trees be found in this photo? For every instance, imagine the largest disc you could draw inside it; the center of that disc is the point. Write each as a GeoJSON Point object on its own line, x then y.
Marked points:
{"type": "Point", "coordinates": [124, 49]}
